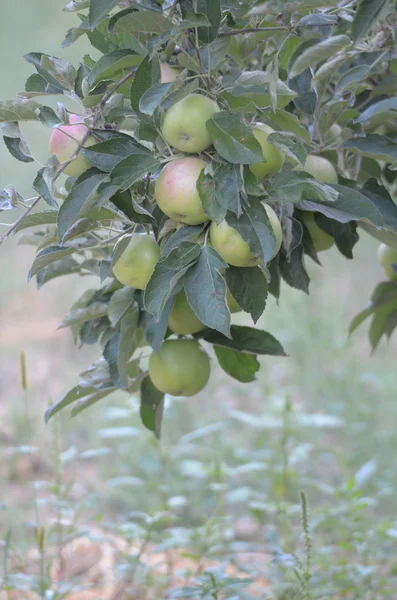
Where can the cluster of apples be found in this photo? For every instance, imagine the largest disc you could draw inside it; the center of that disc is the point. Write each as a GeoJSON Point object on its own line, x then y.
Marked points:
{"type": "Point", "coordinates": [182, 366]}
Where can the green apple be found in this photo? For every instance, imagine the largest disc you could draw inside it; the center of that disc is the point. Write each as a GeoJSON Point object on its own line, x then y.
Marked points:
{"type": "Point", "coordinates": [320, 238]}
{"type": "Point", "coordinates": [180, 368]}
{"type": "Point", "coordinates": [64, 142]}
{"type": "Point", "coordinates": [387, 257]}
{"type": "Point", "coordinates": [176, 190]}
{"type": "Point", "coordinates": [182, 319]}
{"type": "Point", "coordinates": [333, 133]}
{"type": "Point", "coordinates": [321, 169]}
{"type": "Point", "coordinates": [274, 158]}
{"type": "Point", "coordinates": [135, 265]}
{"type": "Point", "coordinates": [184, 124]}
{"type": "Point", "coordinates": [168, 73]}
{"type": "Point", "coordinates": [231, 246]}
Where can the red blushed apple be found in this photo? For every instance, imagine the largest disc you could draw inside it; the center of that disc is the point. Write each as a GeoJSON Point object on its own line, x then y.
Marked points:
{"type": "Point", "coordinates": [176, 191]}
{"type": "Point", "coordinates": [64, 141]}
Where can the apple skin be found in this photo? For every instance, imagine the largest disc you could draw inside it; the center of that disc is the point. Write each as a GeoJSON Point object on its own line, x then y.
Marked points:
{"type": "Point", "coordinates": [321, 169]}
{"type": "Point", "coordinates": [176, 190]}
{"type": "Point", "coordinates": [64, 146]}
{"type": "Point", "coordinates": [320, 238]}
{"type": "Point", "coordinates": [333, 133]}
{"type": "Point", "coordinates": [273, 156]}
{"type": "Point", "coordinates": [231, 246]}
{"type": "Point", "coordinates": [387, 257]}
{"type": "Point", "coordinates": [183, 319]}
{"type": "Point", "coordinates": [184, 124]}
{"type": "Point", "coordinates": [168, 73]}
{"type": "Point", "coordinates": [135, 265]}
{"type": "Point", "coordinates": [180, 368]}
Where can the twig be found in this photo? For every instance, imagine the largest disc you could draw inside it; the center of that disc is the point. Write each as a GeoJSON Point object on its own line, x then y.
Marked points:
{"type": "Point", "coordinates": [16, 223]}
{"type": "Point", "coordinates": [276, 28]}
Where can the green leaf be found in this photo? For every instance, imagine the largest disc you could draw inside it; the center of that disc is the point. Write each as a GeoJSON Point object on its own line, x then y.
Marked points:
{"type": "Point", "coordinates": [143, 21]}
{"type": "Point", "coordinates": [152, 407]}
{"type": "Point", "coordinates": [15, 143]}
{"type": "Point", "coordinates": [9, 198]}
{"type": "Point", "coordinates": [47, 217]}
{"type": "Point", "coordinates": [374, 146]}
{"type": "Point", "coordinates": [205, 290]}
{"type": "Point", "coordinates": [127, 172]}
{"type": "Point", "coordinates": [98, 11]}
{"type": "Point", "coordinates": [286, 121]}
{"type": "Point", "coordinates": [248, 287]}
{"type": "Point", "coordinates": [249, 98]}
{"type": "Point", "coordinates": [294, 186]}
{"type": "Point", "coordinates": [245, 339]}
{"type": "Point", "coordinates": [48, 256]}
{"type": "Point", "coordinates": [317, 53]}
{"type": "Point", "coordinates": [64, 266]}
{"type": "Point", "coordinates": [91, 399]}
{"type": "Point", "coordinates": [147, 75]}
{"type": "Point", "coordinates": [112, 65]}
{"type": "Point", "coordinates": [43, 184]}
{"type": "Point", "coordinates": [239, 365]}
{"type": "Point", "coordinates": [233, 139]}
{"type": "Point", "coordinates": [255, 229]}
{"type": "Point", "coordinates": [82, 197]}
{"type": "Point", "coordinates": [351, 205]}
{"type": "Point", "coordinates": [367, 14]}
{"type": "Point", "coordinates": [106, 155]}
{"type": "Point", "coordinates": [20, 109]}
{"type": "Point", "coordinates": [306, 99]}
{"type": "Point", "coordinates": [207, 191]}
{"type": "Point", "coordinates": [352, 77]}
{"type": "Point", "coordinates": [360, 318]}
{"type": "Point", "coordinates": [128, 341]}
{"type": "Point", "coordinates": [120, 302]}
{"type": "Point", "coordinates": [185, 233]}
{"type": "Point", "coordinates": [93, 311]}
{"type": "Point", "coordinates": [382, 106]}
{"type": "Point", "coordinates": [62, 71]}
{"type": "Point", "coordinates": [291, 266]}
{"type": "Point", "coordinates": [36, 85]}
{"type": "Point", "coordinates": [165, 281]}
{"type": "Point", "coordinates": [212, 10]}
{"type": "Point", "coordinates": [155, 331]}
{"type": "Point", "coordinates": [379, 323]}
{"type": "Point", "coordinates": [35, 58]}
{"type": "Point", "coordinates": [344, 234]}
{"type": "Point", "coordinates": [293, 149]}
{"type": "Point", "coordinates": [152, 98]}
{"type": "Point", "coordinates": [73, 395]}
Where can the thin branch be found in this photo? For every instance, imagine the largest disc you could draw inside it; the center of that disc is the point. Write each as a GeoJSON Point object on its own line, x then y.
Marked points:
{"type": "Point", "coordinates": [276, 28]}
{"type": "Point", "coordinates": [15, 225]}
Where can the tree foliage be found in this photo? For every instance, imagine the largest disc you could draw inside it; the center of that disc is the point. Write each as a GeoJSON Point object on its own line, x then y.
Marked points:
{"type": "Point", "coordinates": [323, 75]}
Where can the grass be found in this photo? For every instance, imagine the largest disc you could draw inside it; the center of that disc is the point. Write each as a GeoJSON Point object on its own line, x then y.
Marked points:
{"type": "Point", "coordinates": [224, 486]}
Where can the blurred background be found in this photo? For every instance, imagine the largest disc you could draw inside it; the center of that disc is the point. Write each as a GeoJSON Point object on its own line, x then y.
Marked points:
{"type": "Point", "coordinates": [322, 420]}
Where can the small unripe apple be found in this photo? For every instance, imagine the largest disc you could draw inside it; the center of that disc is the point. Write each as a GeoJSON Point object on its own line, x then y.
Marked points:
{"type": "Point", "coordinates": [333, 133]}
{"type": "Point", "coordinates": [183, 319]}
{"type": "Point", "coordinates": [184, 124]}
{"type": "Point", "coordinates": [231, 246]}
{"type": "Point", "coordinates": [64, 141]}
{"type": "Point", "coordinates": [320, 238]}
{"type": "Point", "coordinates": [135, 265]}
{"type": "Point", "coordinates": [180, 368]}
{"type": "Point", "coordinates": [388, 258]}
{"type": "Point", "coordinates": [274, 158]}
{"type": "Point", "coordinates": [176, 191]}
{"type": "Point", "coordinates": [321, 169]}
{"type": "Point", "coordinates": [168, 73]}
